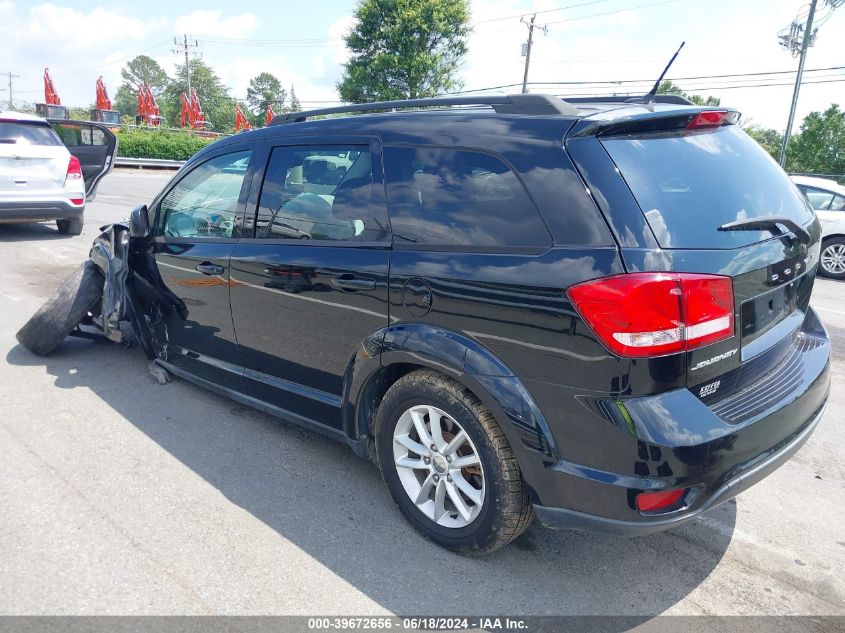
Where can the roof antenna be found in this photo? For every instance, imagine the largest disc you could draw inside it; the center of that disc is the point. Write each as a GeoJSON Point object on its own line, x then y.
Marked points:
{"type": "Point", "coordinates": [651, 94]}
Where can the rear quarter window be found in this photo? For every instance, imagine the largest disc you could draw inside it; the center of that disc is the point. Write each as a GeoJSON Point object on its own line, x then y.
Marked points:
{"type": "Point", "coordinates": [689, 184]}
{"type": "Point", "coordinates": [26, 133]}
{"type": "Point", "coordinates": [447, 197]}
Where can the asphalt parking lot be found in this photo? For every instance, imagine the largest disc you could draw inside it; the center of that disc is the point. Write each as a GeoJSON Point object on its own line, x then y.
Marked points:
{"type": "Point", "coordinates": [122, 496]}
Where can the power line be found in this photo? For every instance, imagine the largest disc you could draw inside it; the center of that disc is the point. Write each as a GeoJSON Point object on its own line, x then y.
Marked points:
{"type": "Point", "coordinates": [271, 43]}
{"type": "Point", "coordinates": [645, 81]}
{"type": "Point", "coordinates": [755, 74]}
{"type": "Point", "coordinates": [513, 17]}
{"type": "Point", "coordinates": [115, 62]}
{"type": "Point", "coordinates": [710, 88]}
{"type": "Point", "coordinates": [598, 15]}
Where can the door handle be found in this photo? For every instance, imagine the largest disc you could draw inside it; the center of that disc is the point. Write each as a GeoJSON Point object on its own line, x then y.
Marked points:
{"type": "Point", "coordinates": [353, 283]}
{"type": "Point", "coordinates": [207, 268]}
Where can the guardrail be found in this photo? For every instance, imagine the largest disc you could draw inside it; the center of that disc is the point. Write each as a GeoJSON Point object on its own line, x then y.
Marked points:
{"type": "Point", "coordinates": [148, 163]}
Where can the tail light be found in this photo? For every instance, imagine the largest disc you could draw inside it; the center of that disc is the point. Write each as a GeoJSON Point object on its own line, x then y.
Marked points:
{"type": "Point", "coordinates": [709, 118]}
{"type": "Point", "coordinates": [656, 501]}
{"type": "Point", "coordinates": [650, 314]}
{"type": "Point", "coordinates": [74, 174]}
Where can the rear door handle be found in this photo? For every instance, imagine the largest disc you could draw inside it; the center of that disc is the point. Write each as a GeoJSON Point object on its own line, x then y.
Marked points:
{"type": "Point", "coordinates": [353, 283]}
{"type": "Point", "coordinates": [207, 268]}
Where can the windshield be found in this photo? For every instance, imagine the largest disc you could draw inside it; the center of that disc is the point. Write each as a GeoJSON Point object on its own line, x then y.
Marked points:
{"type": "Point", "coordinates": [689, 184]}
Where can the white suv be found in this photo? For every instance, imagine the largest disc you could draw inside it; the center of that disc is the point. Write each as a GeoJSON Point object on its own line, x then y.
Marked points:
{"type": "Point", "coordinates": [828, 199]}
{"type": "Point", "coordinates": [48, 172]}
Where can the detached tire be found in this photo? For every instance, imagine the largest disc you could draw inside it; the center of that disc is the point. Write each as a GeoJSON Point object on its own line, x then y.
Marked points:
{"type": "Point", "coordinates": [78, 294]}
{"type": "Point", "coordinates": [449, 466]}
{"type": "Point", "coordinates": [70, 226]}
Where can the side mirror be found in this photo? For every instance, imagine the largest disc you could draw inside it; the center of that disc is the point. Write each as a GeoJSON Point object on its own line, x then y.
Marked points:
{"type": "Point", "coordinates": [139, 222]}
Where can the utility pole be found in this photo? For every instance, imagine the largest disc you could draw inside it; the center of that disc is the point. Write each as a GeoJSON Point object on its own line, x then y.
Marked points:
{"type": "Point", "coordinates": [186, 46]}
{"type": "Point", "coordinates": [531, 26]}
{"type": "Point", "coordinates": [11, 77]}
{"type": "Point", "coordinates": [805, 43]}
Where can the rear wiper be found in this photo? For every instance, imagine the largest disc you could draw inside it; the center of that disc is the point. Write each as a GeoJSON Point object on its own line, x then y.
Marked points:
{"type": "Point", "coordinates": [768, 224]}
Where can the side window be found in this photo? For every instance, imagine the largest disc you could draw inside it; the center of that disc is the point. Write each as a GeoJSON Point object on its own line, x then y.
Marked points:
{"type": "Point", "coordinates": [320, 193]}
{"type": "Point", "coordinates": [445, 197]}
{"type": "Point", "coordinates": [838, 203]}
{"type": "Point", "coordinates": [819, 198]}
{"type": "Point", "coordinates": [204, 203]}
{"type": "Point", "coordinates": [75, 134]}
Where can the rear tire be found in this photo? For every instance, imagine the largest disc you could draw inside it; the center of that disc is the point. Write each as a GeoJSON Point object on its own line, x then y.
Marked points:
{"type": "Point", "coordinates": [497, 508]}
{"type": "Point", "coordinates": [78, 294]}
{"type": "Point", "coordinates": [70, 226]}
{"type": "Point", "coordinates": [832, 258]}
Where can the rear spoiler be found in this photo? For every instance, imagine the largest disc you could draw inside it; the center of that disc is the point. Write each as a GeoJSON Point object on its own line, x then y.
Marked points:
{"type": "Point", "coordinates": [674, 99]}
{"type": "Point", "coordinates": [637, 121]}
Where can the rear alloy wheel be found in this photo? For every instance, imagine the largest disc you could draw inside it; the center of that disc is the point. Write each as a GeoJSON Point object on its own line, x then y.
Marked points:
{"type": "Point", "coordinates": [449, 466]}
{"type": "Point", "coordinates": [438, 466]}
{"type": "Point", "coordinates": [832, 258]}
{"type": "Point", "coordinates": [70, 226]}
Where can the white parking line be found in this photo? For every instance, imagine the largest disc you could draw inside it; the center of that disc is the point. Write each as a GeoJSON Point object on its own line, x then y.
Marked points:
{"type": "Point", "coordinates": [815, 307]}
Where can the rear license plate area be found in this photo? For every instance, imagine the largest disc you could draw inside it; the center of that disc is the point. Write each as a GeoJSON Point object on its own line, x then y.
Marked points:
{"type": "Point", "coordinates": [760, 313]}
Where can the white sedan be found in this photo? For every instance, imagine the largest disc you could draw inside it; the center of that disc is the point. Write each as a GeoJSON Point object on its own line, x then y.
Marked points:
{"type": "Point", "coordinates": [828, 199]}
{"type": "Point", "coordinates": [50, 169]}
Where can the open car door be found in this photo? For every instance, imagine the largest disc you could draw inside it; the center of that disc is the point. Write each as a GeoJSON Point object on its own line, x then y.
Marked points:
{"type": "Point", "coordinates": [93, 144]}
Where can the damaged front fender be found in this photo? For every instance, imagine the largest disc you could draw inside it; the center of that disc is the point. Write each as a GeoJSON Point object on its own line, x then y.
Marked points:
{"type": "Point", "coordinates": [133, 291]}
{"type": "Point", "coordinates": [110, 253]}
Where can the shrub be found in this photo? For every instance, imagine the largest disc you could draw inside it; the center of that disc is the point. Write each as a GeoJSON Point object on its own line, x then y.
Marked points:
{"type": "Point", "coordinates": [159, 144]}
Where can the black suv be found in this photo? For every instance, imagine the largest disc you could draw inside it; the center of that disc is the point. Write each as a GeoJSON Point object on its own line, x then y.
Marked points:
{"type": "Point", "coordinates": [593, 311]}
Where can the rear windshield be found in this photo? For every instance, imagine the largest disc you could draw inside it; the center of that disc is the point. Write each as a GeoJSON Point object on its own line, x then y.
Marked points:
{"type": "Point", "coordinates": [27, 133]}
{"type": "Point", "coordinates": [689, 184]}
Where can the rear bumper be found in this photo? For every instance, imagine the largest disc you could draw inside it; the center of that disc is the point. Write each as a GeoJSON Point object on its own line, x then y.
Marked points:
{"type": "Point", "coordinates": [564, 518]}
{"type": "Point", "coordinates": [22, 211]}
{"type": "Point", "coordinates": [676, 441]}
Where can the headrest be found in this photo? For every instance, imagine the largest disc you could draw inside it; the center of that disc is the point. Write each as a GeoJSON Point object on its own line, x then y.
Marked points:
{"type": "Point", "coordinates": [315, 170]}
{"type": "Point", "coordinates": [352, 199]}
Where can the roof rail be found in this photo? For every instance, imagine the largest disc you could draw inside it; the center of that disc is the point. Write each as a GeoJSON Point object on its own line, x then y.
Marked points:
{"type": "Point", "coordinates": [676, 99]}
{"type": "Point", "coordinates": [503, 104]}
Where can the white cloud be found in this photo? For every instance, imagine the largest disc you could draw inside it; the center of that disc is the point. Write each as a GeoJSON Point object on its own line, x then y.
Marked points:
{"type": "Point", "coordinates": [7, 6]}
{"type": "Point", "coordinates": [212, 23]}
{"type": "Point", "coordinates": [74, 30]}
{"type": "Point", "coordinates": [319, 66]}
{"type": "Point", "coordinates": [336, 31]}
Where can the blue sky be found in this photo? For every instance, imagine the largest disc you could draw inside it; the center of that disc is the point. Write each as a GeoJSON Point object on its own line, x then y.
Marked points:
{"type": "Point", "coordinates": [300, 42]}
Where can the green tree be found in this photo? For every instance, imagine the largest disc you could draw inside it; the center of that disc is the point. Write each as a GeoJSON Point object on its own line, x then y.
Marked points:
{"type": "Point", "coordinates": [294, 105]}
{"type": "Point", "coordinates": [668, 88]}
{"type": "Point", "coordinates": [135, 73]}
{"type": "Point", "coordinates": [80, 114]}
{"type": "Point", "coordinates": [265, 90]}
{"type": "Point", "coordinates": [404, 49]}
{"type": "Point", "coordinates": [820, 146]}
{"type": "Point", "coordinates": [217, 105]}
{"type": "Point", "coordinates": [769, 139]}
